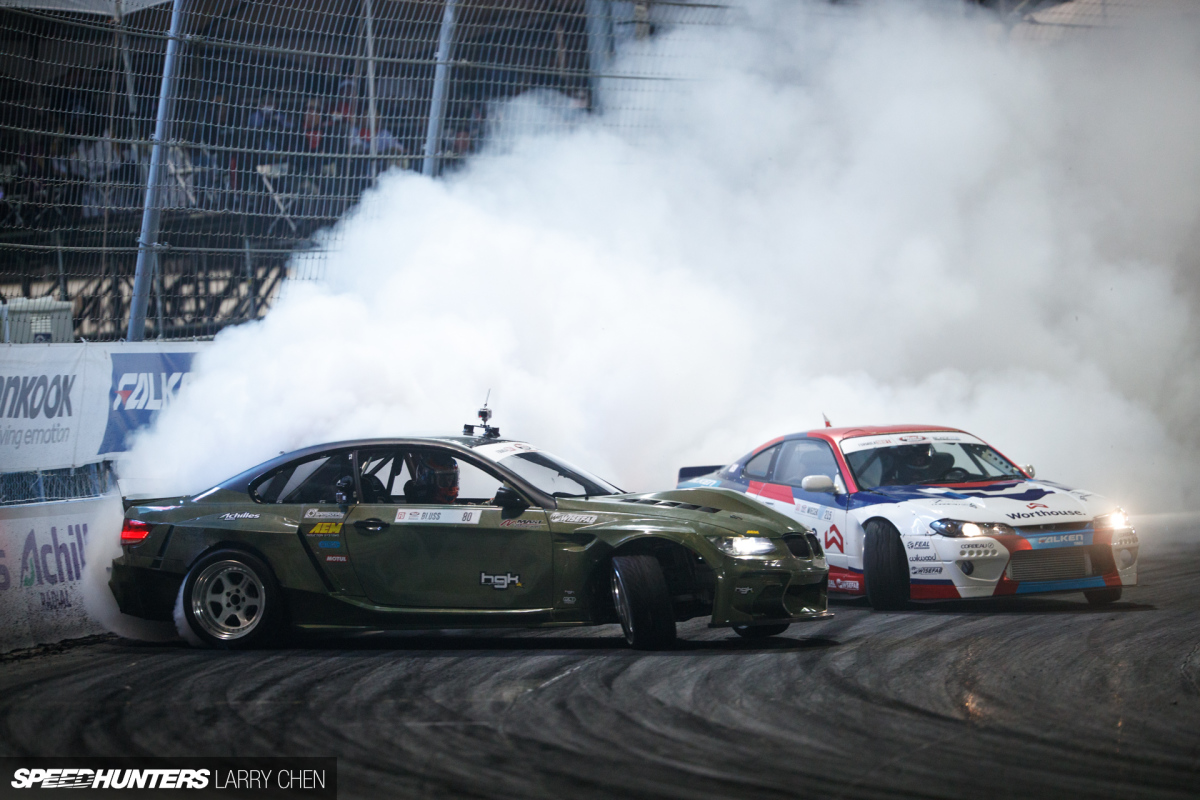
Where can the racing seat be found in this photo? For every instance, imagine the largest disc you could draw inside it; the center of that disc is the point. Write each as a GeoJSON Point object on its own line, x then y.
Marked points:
{"type": "Point", "coordinates": [415, 494]}
{"type": "Point", "coordinates": [373, 490]}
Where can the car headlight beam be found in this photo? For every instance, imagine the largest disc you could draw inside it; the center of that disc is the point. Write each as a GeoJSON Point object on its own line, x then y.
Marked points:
{"type": "Point", "coordinates": [741, 546]}
{"type": "Point", "coordinates": [962, 528]}
{"type": "Point", "coordinates": [1114, 520]}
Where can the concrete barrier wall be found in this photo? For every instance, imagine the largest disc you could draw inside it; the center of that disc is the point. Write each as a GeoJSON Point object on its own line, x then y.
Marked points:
{"type": "Point", "coordinates": [48, 553]}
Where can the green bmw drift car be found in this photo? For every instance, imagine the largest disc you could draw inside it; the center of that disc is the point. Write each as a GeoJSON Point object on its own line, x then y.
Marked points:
{"type": "Point", "coordinates": [458, 532]}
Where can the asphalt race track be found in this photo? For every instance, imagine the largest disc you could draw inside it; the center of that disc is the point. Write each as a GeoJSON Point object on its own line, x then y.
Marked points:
{"type": "Point", "coordinates": [1035, 697]}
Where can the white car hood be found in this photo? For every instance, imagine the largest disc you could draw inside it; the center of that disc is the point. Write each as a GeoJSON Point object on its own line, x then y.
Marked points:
{"type": "Point", "coordinates": [1017, 503]}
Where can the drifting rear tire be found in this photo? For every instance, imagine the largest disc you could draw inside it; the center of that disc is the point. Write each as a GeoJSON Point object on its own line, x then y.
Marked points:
{"type": "Point", "coordinates": [759, 631]}
{"type": "Point", "coordinates": [885, 566]}
{"type": "Point", "coordinates": [643, 602]}
{"type": "Point", "coordinates": [1102, 597]}
{"type": "Point", "coordinates": [229, 600]}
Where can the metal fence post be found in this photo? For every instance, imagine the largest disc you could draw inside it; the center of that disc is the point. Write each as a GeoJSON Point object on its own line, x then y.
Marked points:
{"type": "Point", "coordinates": [441, 77]}
{"type": "Point", "coordinates": [600, 44]}
{"type": "Point", "coordinates": [371, 106]}
{"type": "Point", "coordinates": [147, 260]}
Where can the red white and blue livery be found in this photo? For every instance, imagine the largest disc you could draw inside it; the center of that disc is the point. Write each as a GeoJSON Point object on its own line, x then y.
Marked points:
{"type": "Point", "coordinates": [922, 512]}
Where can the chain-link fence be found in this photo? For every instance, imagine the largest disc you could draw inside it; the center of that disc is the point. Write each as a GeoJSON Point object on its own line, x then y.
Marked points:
{"type": "Point", "coordinates": [71, 483]}
{"type": "Point", "coordinates": [276, 117]}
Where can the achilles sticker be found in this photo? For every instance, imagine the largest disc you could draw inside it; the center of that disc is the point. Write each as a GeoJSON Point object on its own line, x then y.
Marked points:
{"type": "Point", "coordinates": [520, 523]}
{"type": "Point", "coordinates": [499, 581]}
{"type": "Point", "coordinates": [925, 570]}
{"type": "Point", "coordinates": [449, 516]}
{"type": "Point", "coordinates": [239, 515]}
{"type": "Point", "coordinates": [326, 529]}
{"type": "Point", "coordinates": [336, 559]}
{"type": "Point", "coordinates": [314, 513]}
{"type": "Point", "coordinates": [572, 519]}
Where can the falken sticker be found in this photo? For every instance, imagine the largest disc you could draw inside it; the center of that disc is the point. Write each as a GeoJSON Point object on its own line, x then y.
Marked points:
{"type": "Point", "coordinates": [326, 529]}
{"type": "Point", "coordinates": [572, 519]}
{"type": "Point", "coordinates": [925, 570]}
{"type": "Point", "coordinates": [449, 516]}
{"type": "Point", "coordinates": [314, 513]}
{"type": "Point", "coordinates": [240, 515]}
{"type": "Point", "coordinates": [336, 559]}
{"type": "Point", "coordinates": [330, 544]}
{"type": "Point", "coordinates": [520, 523]}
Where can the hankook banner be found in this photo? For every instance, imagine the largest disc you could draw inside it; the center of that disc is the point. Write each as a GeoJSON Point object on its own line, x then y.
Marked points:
{"type": "Point", "coordinates": [66, 405]}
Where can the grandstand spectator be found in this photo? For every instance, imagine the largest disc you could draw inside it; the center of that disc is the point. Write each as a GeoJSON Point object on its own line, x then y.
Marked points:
{"type": "Point", "coordinates": [269, 126]}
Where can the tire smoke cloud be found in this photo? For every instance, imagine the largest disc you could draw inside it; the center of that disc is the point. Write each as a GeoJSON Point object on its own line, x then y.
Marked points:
{"type": "Point", "coordinates": [888, 214]}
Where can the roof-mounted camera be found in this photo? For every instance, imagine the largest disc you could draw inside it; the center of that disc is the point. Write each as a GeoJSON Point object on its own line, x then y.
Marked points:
{"type": "Point", "coordinates": [485, 414]}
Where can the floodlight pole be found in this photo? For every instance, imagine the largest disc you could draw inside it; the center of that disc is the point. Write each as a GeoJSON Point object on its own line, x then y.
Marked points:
{"type": "Point", "coordinates": [600, 44]}
{"type": "Point", "coordinates": [147, 260]}
{"type": "Point", "coordinates": [441, 79]}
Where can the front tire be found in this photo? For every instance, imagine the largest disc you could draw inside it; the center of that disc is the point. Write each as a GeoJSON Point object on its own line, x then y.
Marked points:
{"type": "Point", "coordinates": [1102, 597]}
{"type": "Point", "coordinates": [643, 602]}
{"type": "Point", "coordinates": [759, 631]}
{"type": "Point", "coordinates": [229, 600]}
{"type": "Point", "coordinates": [885, 566]}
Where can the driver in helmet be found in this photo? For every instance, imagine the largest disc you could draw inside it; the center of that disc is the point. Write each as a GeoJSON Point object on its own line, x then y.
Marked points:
{"type": "Point", "coordinates": [914, 463]}
{"type": "Point", "coordinates": [436, 480]}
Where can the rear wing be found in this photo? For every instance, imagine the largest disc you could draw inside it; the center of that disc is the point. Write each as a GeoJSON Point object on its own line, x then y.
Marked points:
{"type": "Point", "coordinates": [687, 473]}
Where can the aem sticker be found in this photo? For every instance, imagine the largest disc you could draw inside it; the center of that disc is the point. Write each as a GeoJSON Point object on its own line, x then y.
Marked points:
{"type": "Point", "coordinates": [325, 529]}
{"type": "Point", "coordinates": [314, 513]}
{"type": "Point", "coordinates": [572, 519]}
{"type": "Point", "coordinates": [449, 516]}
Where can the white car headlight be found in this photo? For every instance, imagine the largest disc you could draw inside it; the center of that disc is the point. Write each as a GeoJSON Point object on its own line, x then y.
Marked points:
{"type": "Point", "coordinates": [1115, 520]}
{"type": "Point", "coordinates": [957, 527]}
{"type": "Point", "coordinates": [744, 545]}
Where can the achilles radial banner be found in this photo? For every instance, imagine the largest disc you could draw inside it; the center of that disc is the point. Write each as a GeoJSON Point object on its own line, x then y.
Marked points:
{"type": "Point", "coordinates": [44, 552]}
{"type": "Point", "coordinates": [66, 405]}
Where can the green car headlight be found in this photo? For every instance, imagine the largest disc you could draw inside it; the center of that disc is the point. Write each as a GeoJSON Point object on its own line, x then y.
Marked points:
{"type": "Point", "coordinates": [1114, 520]}
{"type": "Point", "coordinates": [739, 546]}
{"type": "Point", "coordinates": [957, 527]}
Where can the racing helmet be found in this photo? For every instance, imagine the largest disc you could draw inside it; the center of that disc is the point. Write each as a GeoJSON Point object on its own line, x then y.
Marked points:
{"type": "Point", "coordinates": [437, 474]}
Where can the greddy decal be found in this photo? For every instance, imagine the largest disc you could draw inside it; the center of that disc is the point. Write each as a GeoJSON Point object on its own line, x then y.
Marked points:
{"type": "Point", "coordinates": [314, 513]}
{"type": "Point", "coordinates": [450, 516]}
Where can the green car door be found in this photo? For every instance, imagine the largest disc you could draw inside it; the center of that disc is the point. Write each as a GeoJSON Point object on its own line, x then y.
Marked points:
{"type": "Point", "coordinates": [416, 544]}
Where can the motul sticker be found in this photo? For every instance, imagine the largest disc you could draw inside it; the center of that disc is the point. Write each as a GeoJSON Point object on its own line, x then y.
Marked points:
{"type": "Point", "coordinates": [449, 516]}
{"type": "Point", "coordinates": [336, 559]}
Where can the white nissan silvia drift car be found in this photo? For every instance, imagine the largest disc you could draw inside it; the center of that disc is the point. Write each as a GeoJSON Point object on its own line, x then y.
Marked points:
{"type": "Point", "coordinates": [919, 512]}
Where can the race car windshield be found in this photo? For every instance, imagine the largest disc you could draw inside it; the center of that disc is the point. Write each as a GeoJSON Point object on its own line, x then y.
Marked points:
{"type": "Point", "coordinates": [555, 477]}
{"type": "Point", "coordinates": [928, 462]}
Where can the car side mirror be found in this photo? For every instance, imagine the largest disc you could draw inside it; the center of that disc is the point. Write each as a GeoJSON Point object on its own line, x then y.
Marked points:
{"type": "Point", "coordinates": [1029, 470]}
{"type": "Point", "coordinates": [508, 499]}
{"type": "Point", "coordinates": [344, 490]}
{"type": "Point", "coordinates": [818, 483]}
